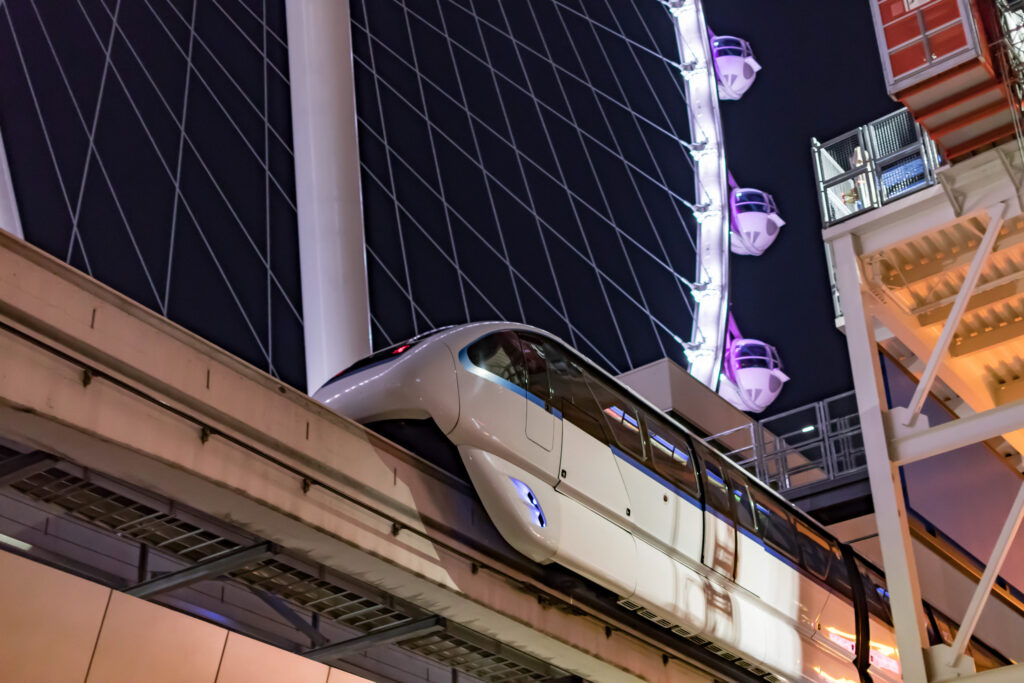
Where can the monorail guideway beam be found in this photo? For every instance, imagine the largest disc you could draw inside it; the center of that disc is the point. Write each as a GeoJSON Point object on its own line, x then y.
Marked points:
{"type": "Point", "coordinates": [93, 377]}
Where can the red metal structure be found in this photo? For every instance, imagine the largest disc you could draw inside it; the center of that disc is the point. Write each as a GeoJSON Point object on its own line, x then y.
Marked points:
{"type": "Point", "coordinates": [937, 61]}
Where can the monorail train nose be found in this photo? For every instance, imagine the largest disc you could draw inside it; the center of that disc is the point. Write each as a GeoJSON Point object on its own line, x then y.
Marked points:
{"type": "Point", "coordinates": [413, 380]}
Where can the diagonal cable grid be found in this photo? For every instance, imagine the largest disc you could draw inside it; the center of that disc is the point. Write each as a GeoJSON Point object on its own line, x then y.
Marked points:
{"type": "Point", "coordinates": [557, 177]}
{"type": "Point", "coordinates": [42, 125]}
{"type": "Point", "coordinates": [196, 223]}
{"type": "Point", "coordinates": [535, 164]}
{"type": "Point", "coordinates": [466, 223]}
{"type": "Point", "coordinates": [198, 157]}
{"type": "Point", "coordinates": [497, 182]}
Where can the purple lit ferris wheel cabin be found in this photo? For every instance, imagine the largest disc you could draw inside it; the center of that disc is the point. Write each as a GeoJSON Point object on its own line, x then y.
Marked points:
{"type": "Point", "coordinates": [735, 66]}
{"type": "Point", "coordinates": [755, 221]}
{"type": "Point", "coordinates": [752, 375]}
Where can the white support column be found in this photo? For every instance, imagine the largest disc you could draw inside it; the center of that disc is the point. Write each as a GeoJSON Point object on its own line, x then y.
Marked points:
{"type": "Point", "coordinates": [9, 218]}
{"type": "Point", "coordinates": [332, 254]}
{"type": "Point", "coordinates": [988, 240]}
{"type": "Point", "coordinates": [886, 492]}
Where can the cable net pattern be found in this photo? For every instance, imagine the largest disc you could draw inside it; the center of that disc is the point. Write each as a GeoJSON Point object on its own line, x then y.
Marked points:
{"type": "Point", "coordinates": [150, 146]}
{"type": "Point", "coordinates": [522, 160]}
{"type": "Point", "coordinates": [526, 160]}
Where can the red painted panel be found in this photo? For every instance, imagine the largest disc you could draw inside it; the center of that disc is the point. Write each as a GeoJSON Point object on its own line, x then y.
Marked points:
{"type": "Point", "coordinates": [948, 41]}
{"type": "Point", "coordinates": [907, 59]}
{"type": "Point", "coordinates": [902, 31]}
{"type": "Point", "coordinates": [891, 9]}
{"type": "Point", "coordinates": [940, 13]}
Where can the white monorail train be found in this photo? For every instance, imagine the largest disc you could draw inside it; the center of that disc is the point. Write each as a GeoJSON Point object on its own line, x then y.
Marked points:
{"type": "Point", "coordinates": [575, 469]}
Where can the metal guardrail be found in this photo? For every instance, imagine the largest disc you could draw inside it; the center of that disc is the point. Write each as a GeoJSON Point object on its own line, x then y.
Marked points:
{"type": "Point", "coordinates": [872, 165]}
{"type": "Point", "coordinates": [817, 442]}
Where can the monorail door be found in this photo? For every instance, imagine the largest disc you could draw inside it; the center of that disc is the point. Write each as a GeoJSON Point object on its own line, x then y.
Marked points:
{"type": "Point", "coordinates": [719, 522]}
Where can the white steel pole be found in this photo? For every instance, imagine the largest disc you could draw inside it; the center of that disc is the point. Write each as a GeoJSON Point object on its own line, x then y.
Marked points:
{"type": "Point", "coordinates": [886, 493]}
{"type": "Point", "coordinates": [9, 218]}
{"type": "Point", "coordinates": [332, 255]}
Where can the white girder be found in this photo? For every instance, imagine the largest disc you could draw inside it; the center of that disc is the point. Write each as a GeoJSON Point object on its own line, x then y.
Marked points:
{"type": "Point", "coordinates": [711, 290]}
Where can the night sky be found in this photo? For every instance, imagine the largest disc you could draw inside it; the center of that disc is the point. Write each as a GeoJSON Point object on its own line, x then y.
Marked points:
{"type": "Point", "coordinates": [822, 77]}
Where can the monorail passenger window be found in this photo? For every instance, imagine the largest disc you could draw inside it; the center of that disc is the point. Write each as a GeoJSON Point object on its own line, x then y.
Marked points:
{"type": "Point", "coordinates": [743, 504]}
{"type": "Point", "coordinates": [774, 522]}
{"type": "Point", "coordinates": [570, 393]}
{"type": "Point", "coordinates": [620, 416]}
{"type": "Point", "coordinates": [670, 454]}
{"type": "Point", "coordinates": [876, 593]}
{"type": "Point", "coordinates": [534, 355]}
{"type": "Point", "coordinates": [501, 355]}
{"type": "Point", "coordinates": [814, 549]}
{"type": "Point", "coordinates": [838, 575]}
{"type": "Point", "coordinates": [716, 490]}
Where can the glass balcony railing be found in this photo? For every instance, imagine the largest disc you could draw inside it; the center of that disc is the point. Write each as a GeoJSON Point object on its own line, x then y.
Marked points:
{"type": "Point", "coordinates": [873, 165]}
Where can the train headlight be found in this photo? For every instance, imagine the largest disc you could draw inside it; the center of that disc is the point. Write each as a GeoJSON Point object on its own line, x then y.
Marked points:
{"type": "Point", "coordinates": [530, 500]}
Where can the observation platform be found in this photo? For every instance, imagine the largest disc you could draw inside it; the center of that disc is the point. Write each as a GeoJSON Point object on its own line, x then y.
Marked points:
{"type": "Point", "coordinates": [143, 458]}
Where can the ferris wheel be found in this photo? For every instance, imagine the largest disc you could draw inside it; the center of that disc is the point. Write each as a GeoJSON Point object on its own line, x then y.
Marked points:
{"type": "Point", "coordinates": [730, 219]}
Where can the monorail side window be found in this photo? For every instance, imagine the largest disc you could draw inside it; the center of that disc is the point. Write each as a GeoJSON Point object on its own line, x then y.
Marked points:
{"type": "Point", "coordinates": [716, 489]}
{"type": "Point", "coordinates": [838, 575]}
{"type": "Point", "coordinates": [670, 454]}
{"type": "Point", "coordinates": [775, 524]}
{"type": "Point", "coordinates": [570, 393]}
{"type": "Point", "coordinates": [877, 593]}
{"type": "Point", "coordinates": [620, 416]}
{"type": "Point", "coordinates": [742, 502]}
{"type": "Point", "coordinates": [814, 549]}
{"type": "Point", "coordinates": [534, 355]}
{"type": "Point", "coordinates": [500, 354]}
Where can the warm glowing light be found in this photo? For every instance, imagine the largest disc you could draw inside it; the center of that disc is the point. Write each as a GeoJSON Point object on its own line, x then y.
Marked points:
{"type": "Point", "coordinates": [831, 679]}
{"type": "Point", "coordinates": [881, 655]}
{"type": "Point", "coordinates": [400, 349]}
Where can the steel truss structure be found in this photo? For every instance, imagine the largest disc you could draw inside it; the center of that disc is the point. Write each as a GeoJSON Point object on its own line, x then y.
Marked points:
{"type": "Point", "coordinates": [926, 271]}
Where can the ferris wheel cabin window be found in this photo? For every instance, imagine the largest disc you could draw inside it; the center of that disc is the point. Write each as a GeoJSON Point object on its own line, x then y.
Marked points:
{"type": "Point", "coordinates": [500, 355]}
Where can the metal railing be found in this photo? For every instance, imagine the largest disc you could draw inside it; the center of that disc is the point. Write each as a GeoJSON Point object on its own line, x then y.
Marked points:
{"type": "Point", "coordinates": [817, 442]}
{"type": "Point", "coordinates": [872, 165]}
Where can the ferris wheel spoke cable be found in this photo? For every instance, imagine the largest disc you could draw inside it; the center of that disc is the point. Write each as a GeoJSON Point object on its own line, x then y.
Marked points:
{"type": "Point", "coordinates": [537, 165]}
{"type": "Point", "coordinates": [477, 159]}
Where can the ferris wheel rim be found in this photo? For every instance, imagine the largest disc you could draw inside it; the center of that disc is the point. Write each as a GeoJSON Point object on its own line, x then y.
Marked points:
{"type": "Point", "coordinates": [711, 190]}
